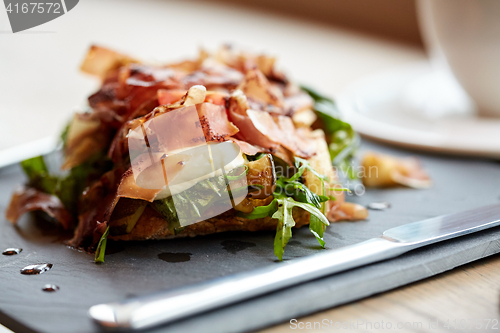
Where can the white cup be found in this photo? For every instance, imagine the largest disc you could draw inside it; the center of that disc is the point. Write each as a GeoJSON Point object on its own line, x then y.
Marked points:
{"type": "Point", "coordinates": [466, 34]}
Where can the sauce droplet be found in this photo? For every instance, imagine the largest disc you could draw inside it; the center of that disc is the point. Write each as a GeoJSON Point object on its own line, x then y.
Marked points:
{"type": "Point", "coordinates": [36, 269]}
{"type": "Point", "coordinates": [174, 257]}
{"type": "Point", "coordinates": [378, 205]}
{"type": "Point", "coordinates": [234, 246]}
{"type": "Point", "coordinates": [50, 288]}
{"type": "Point", "coordinates": [12, 251]}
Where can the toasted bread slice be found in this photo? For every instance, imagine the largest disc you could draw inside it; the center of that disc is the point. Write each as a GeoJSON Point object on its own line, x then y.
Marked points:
{"type": "Point", "coordinates": [151, 225]}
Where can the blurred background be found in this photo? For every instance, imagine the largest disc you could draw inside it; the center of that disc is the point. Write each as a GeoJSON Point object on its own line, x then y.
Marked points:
{"type": "Point", "coordinates": [325, 44]}
{"type": "Point", "coordinates": [392, 19]}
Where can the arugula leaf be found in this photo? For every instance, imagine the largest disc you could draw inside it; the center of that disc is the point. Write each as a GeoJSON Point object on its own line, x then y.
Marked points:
{"type": "Point", "coordinates": [190, 202]}
{"type": "Point", "coordinates": [299, 173]}
{"type": "Point", "coordinates": [70, 187]}
{"type": "Point", "coordinates": [212, 186]}
{"type": "Point", "coordinates": [166, 208]}
{"type": "Point", "coordinates": [323, 104]}
{"type": "Point", "coordinates": [317, 228]}
{"type": "Point", "coordinates": [286, 222]}
{"type": "Point", "coordinates": [38, 175]}
{"type": "Point", "coordinates": [298, 191]}
{"type": "Point", "coordinates": [284, 229]}
{"type": "Point", "coordinates": [304, 163]}
{"type": "Point", "coordinates": [289, 193]}
{"type": "Point", "coordinates": [261, 211]}
{"type": "Point", "coordinates": [101, 247]}
{"type": "Point", "coordinates": [243, 174]}
{"type": "Point", "coordinates": [343, 141]}
{"type": "Point", "coordinates": [308, 196]}
{"type": "Point", "coordinates": [64, 135]}
{"type": "Point", "coordinates": [256, 157]}
{"type": "Point", "coordinates": [67, 188]}
{"type": "Point", "coordinates": [317, 221]}
{"type": "Point", "coordinates": [311, 209]}
{"type": "Point", "coordinates": [35, 167]}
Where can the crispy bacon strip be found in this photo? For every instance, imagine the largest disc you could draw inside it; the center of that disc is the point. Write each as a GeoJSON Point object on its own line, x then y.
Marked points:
{"type": "Point", "coordinates": [27, 199]}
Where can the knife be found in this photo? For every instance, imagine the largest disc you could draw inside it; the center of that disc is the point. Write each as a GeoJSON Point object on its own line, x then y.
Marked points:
{"type": "Point", "coordinates": [148, 311]}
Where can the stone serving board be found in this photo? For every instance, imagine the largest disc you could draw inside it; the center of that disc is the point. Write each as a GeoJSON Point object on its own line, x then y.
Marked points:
{"type": "Point", "coordinates": [139, 268]}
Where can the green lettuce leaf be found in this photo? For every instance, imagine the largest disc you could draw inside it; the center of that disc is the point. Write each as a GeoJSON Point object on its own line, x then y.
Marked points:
{"type": "Point", "coordinates": [38, 175]}
{"type": "Point", "coordinates": [305, 164]}
{"type": "Point", "coordinates": [299, 191]}
{"type": "Point", "coordinates": [261, 211]}
{"type": "Point", "coordinates": [284, 229]}
{"type": "Point", "coordinates": [166, 208]}
{"type": "Point", "coordinates": [101, 247]}
{"type": "Point", "coordinates": [343, 141]}
{"type": "Point", "coordinates": [289, 193]}
{"type": "Point", "coordinates": [64, 135]}
{"type": "Point", "coordinates": [71, 186]}
{"type": "Point", "coordinates": [286, 222]}
{"type": "Point", "coordinates": [317, 228]}
{"type": "Point", "coordinates": [68, 188]}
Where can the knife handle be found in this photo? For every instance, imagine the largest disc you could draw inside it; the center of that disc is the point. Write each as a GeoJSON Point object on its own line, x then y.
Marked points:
{"type": "Point", "coordinates": [159, 308]}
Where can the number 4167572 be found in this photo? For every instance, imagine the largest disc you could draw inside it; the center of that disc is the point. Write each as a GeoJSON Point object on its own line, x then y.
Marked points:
{"type": "Point", "coordinates": [32, 7]}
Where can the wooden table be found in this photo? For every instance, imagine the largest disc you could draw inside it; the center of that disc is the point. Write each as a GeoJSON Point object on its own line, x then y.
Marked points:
{"type": "Point", "coordinates": [317, 55]}
{"type": "Point", "coordinates": [463, 299]}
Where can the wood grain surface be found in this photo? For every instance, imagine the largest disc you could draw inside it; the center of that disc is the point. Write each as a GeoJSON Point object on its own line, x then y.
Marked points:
{"type": "Point", "coordinates": [465, 299]}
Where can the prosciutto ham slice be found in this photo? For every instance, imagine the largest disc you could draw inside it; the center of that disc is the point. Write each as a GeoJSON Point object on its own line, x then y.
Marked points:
{"type": "Point", "coordinates": [172, 130]}
{"type": "Point", "coordinates": [26, 199]}
{"type": "Point", "coordinates": [248, 148]}
{"type": "Point", "coordinates": [280, 129]}
{"type": "Point", "coordinates": [237, 110]}
{"type": "Point", "coordinates": [256, 86]}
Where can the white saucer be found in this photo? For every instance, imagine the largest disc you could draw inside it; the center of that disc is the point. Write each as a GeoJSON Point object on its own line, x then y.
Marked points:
{"type": "Point", "coordinates": [421, 108]}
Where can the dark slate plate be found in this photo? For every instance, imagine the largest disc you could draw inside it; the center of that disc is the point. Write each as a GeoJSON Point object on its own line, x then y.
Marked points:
{"type": "Point", "coordinates": [135, 268]}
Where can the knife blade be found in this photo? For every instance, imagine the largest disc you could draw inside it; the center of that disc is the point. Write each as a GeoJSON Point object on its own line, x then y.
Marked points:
{"type": "Point", "coordinates": [163, 307]}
